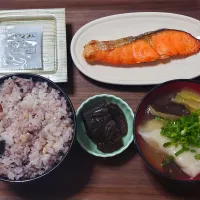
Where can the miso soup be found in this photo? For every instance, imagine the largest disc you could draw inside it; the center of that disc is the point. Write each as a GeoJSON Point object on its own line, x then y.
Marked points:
{"type": "Point", "coordinates": [168, 131]}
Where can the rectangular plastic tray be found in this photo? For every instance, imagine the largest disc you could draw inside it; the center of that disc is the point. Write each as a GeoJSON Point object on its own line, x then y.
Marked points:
{"type": "Point", "coordinates": [54, 52]}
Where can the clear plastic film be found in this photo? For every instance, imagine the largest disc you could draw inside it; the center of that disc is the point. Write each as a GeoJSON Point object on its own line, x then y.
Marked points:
{"type": "Point", "coordinates": [21, 47]}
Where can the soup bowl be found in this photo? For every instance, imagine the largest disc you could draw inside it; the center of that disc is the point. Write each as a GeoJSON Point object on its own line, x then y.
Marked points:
{"type": "Point", "coordinates": [151, 152]}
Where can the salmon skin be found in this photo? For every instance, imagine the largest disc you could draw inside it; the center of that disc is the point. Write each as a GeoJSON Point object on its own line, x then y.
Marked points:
{"type": "Point", "coordinates": [147, 47]}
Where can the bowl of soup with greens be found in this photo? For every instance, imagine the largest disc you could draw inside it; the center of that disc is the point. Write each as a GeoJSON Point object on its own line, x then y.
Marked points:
{"type": "Point", "coordinates": [167, 129]}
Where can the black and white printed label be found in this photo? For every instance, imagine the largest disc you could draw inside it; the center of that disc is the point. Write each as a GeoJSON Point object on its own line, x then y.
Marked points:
{"type": "Point", "coordinates": [21, 47]}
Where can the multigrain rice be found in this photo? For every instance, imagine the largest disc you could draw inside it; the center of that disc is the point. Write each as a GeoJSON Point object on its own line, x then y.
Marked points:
{"type": "Point", "coordinates": [35, 128]}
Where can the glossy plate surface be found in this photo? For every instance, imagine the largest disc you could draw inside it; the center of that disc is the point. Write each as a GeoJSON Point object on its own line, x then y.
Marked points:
{"type": "Point", "coordinates": [132, 24]}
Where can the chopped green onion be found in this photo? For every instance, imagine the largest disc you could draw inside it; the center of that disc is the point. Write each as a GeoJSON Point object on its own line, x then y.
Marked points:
{"type": "Point", "coordinates": [158, 118]}
{"type": "Point", "coordinates": [193, 150]}
{"type": "Point", "coordinates": [179, 152]}
{"type": "Point", "coordinates": [197, 156]}
{"type": "Point", "coordinates": [183, 140]}
{"type": "Point", "coordinates": [183, 132]}
{"type": "Point", "coordinates": [168, 160]}
{"type": "Point", "coordinates": [167, 144]}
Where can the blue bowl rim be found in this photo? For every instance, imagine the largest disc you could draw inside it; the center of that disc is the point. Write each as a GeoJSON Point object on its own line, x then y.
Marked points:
{"type": "Point", "coordinates": [151, 167]}
{"type": "Point", "coordinates": [36, 76]}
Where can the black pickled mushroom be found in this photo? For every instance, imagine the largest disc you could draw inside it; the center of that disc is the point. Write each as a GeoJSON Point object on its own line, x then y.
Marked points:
{"type": "Point", "coordinates": [171, 109]}
{"type": "Point", "coordinates": [118, 117]}
{"type": "Point", "coordinates": [94, 106]}
{"type": "Point", "coordinates": [95, 117]}
{"type": "Point", "coordinates": [95, 110]}
{"type": "Point", "coordinates": [111, 138]}
{"type": "Point", "coordinates": [2, 146]}
{"type": "Point", "coordinates": [111, 132]}
{"type": "Point", "coordinates": [164, 99]}
{"type": "Point", "coordinates": [96, 133]}
{"type": "Point", "coordinates": [105, 124]}
{"type": "Point", "coordinates": [93, 125]}
{"type": "Point", "coordinates": [110, 147]}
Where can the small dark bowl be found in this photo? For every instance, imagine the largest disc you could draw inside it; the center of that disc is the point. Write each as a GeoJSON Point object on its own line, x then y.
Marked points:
{"type": "Point", "coordinates": [147, 155]}
{"type": "Point", "coordinates": [36, 78]}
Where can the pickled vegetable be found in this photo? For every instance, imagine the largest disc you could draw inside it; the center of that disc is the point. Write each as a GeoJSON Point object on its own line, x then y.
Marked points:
{"type": "Point", "coordinates": [105, 124]}
{"type": "Point", "coordinates": [189, 94]}
{"type": "Point", "coordinates": [188, 98]}
{"type": "Point", "coordinates": [163, 115]}
{"type": "Point", "coordinates": [170, 110]}
{"type": "Point", "coordinates": [118, 117]}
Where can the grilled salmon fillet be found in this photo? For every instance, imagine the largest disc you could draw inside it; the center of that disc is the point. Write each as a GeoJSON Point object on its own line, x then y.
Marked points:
{"type": "Point", "coordinates": [147, 47]}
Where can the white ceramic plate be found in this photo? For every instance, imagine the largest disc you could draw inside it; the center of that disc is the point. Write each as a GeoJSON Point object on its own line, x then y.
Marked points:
{"type": "Point", "coordinates": [131, 24]}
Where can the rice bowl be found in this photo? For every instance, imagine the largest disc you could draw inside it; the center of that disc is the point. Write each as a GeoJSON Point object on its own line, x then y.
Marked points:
{"type": "Point", "coordinates": [36, 127]}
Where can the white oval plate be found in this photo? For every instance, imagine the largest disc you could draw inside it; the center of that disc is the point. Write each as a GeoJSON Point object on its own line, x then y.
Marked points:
{"type": "Point", "coordinates": [132, 24]}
